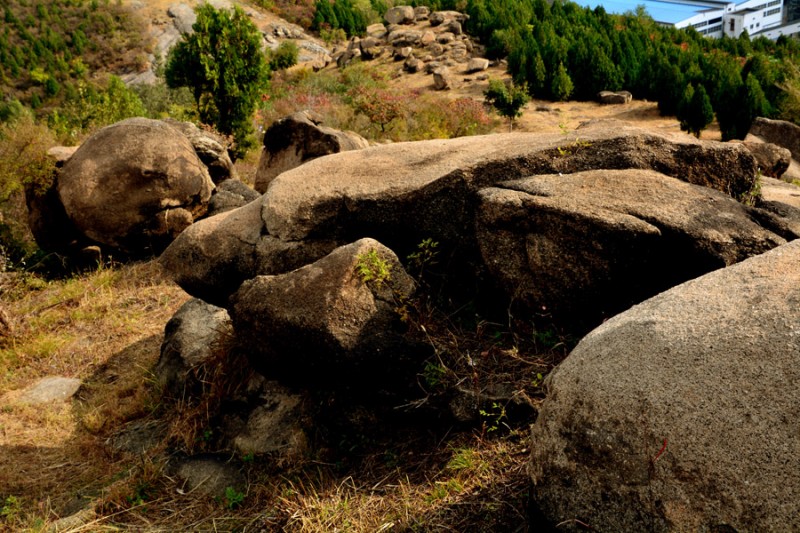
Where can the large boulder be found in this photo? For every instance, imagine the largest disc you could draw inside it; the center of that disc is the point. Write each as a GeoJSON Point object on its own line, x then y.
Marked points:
{"type": "Point", "coordinates": [681, 413]}
{"type": "Point", "coordinates": [134, 186]}
{"type": "Point", "coordinates": [588, 245]}
{"type": "Point", "coordinates": [427, 187]}
{"type": "Point", "coordinates": [214, 256]}
{"type": "Point", "coordinates": [780, 132]}
{"type": "Point", "coordinates": [334, 319]}
{"type": "Point", "coordinates": [405, 192]}
{"type": "Point", "coordinates": [296, 139]}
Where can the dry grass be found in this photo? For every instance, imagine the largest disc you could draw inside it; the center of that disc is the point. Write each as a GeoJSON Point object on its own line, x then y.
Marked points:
{"type": "Point", "coordinates": [103, 327]}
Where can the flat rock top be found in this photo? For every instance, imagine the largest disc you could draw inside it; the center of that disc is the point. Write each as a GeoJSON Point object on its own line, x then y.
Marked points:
{"type": "Point", "coordinates": [293, 201]}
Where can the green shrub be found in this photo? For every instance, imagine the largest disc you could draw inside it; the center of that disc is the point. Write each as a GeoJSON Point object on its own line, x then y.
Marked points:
{"type": "Point", "coordinates": [284, 56]}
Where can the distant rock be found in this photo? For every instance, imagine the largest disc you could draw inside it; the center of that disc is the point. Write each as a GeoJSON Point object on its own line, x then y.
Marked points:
{"type": "Point", "coordinates": [441, 79]}
{"type": "Point", "coordinates": [400, 15]}
{"type": "Point", "coordinates": [477, 64]}
{"type": "Point", "coordinates": [134, 185]}
{"type": "Point", "coordinates": [614, 97]}
{"type": "Point", "coordinates": [376, 30]}
{"type": "Point", "coordinates": [183, 16]}
{"type": "Point", "coordinates": [440, 17]}
{"type": "Point", "coordinates": [778, 132]}
{"type": "Point", "coordinates": [681, 413]}
{"type": "Point", "coordinates": [421, 13]}
{"type": "Point", "coordinates": [298, 138]}
{"type": "Point", "coordinates": [412, 64]}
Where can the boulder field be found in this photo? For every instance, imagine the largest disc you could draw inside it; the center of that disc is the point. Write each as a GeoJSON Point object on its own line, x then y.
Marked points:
{"type": "Point", "coordinates": [677, 410]}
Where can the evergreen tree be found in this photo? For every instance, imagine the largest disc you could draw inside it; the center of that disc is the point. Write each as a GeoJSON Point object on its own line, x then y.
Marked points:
{"type": "Point", "coordinates": [223, 64]}
{"type": "Point", "coordinates": [562, 84]}
{"type": "Point", "coordinates": [695, 111]}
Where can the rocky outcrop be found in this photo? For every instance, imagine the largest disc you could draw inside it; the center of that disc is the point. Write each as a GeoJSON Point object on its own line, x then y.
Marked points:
{"type": "Point", "coordinates": [680, 414]}
{"type": "Point", "coordinates": [133, 186]}
{"type": "Point", "coordinates": [333, 319]}
{"type": "Point", "coordinates": [296, 139]}
{"type": "Point", "coordinates": [648, 233]}
{"type": "Point", "coordinates": [404, 192]}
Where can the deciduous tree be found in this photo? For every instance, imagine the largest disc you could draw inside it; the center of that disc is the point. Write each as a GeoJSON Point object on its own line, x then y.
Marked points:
{"type": "Point", "coordinates": [507, 98]}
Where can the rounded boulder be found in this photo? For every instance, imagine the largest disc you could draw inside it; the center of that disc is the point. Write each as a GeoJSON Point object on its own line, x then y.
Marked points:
{"type": "Point", "coordinates": [134, 186]}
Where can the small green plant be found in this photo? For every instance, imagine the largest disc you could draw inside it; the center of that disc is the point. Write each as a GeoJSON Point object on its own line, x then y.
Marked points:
{"type": "Point", "coordinates": [233, 498]}
{"type": "Point", "coordinates": [372, 267]}
{"type": "Point", "coordinates": [11, 509]}
{"type": "Point", "coordinates": [495, 418]}
{"type": "Point", "coordinates": [433, 374]}
{"type": "Point", "coordinates": [425, 256]}
{"type": "Point", "coordinates": [753, 196]}
{"type": "Point", "coordinates": [463, 459]}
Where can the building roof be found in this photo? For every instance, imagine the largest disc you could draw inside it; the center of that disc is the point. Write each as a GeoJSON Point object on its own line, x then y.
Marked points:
{"type": "Point", "coordinates": [665, 12]}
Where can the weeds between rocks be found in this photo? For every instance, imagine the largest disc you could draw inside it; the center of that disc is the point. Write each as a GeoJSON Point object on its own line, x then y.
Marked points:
{"type": "Point", "coordinates": [450, 457]}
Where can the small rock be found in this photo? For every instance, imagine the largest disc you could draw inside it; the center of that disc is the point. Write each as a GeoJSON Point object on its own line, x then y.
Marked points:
{"type": "Point", "coordinates": [403, 53]}
{"type": "Point", "coordinates": [412, 65]}
{"type": "Point", "coordinates": [376, 30]}
{"type": "Point", "coordinates": [421, 13]}
{"type": "Point", "coordinates": [445, 38]}
{"type": "Point", "coordinates": [427, 38]}
{"type": "Point", "coordinates": [208, 474]}
{"type": "Point", "coordinates": [50, 389]}
{"type": "Point", "coordinates": [441, 79]}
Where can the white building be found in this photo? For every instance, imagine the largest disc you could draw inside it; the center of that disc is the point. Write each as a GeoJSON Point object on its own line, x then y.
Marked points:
{"type": "Point", "coordinates": [712, 18]}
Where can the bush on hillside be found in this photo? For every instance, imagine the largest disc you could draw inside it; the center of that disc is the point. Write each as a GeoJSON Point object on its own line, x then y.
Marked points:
{"type": "Point", "coordinates": [23, 163]}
